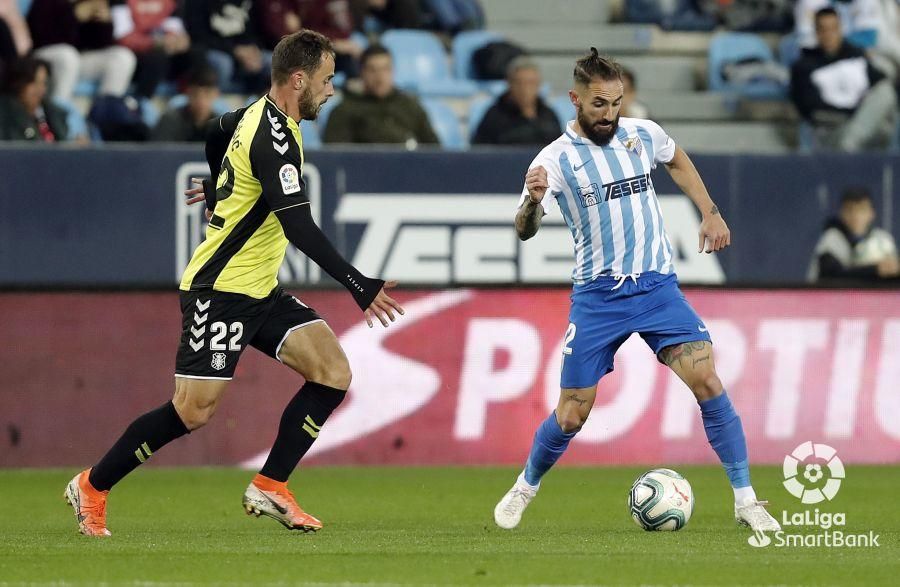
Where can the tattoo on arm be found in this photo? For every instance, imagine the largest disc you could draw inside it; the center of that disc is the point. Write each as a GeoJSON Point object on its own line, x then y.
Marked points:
{"type": "Point", "coordinates": [528, 219]}
{"type": "Point", "coordinates": [714, 210]}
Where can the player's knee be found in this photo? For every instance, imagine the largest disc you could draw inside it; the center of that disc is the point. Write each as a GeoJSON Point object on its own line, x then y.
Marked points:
{"type": "Point", "coordinates": [707, 386]}
{"type": "Point", "coordinates": [333, 372]}
{"type": "Point", "coordinates": [195, 414]}
{"type": "Point", "coordinates": [570, 421]}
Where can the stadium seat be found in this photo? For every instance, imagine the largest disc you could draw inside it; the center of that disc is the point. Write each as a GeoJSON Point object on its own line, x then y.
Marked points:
{"type": "Point", "coordinates": [309, 132]}
{"type": "Point", "coordinates": [477, 109]}
{"type": "Point", "coordinates": [149, 112]}
{"type": "Point", "coordinates": [87, 88]}
{"type": "Point", "coordinates": [564, 109]}
{"type": "Point", "coordinates": [25, 6]}
{"type": "Point", "coordinates": [464, 46]}
{"type": "Point", "coordinates": [725, 48]}
{"type": "Point", "coordinates": [445, 124]}
{"type": "Point", "coordinates": [788, 50]}
{"type": "Point", "coordinates": [420, 65]}
{"type": "Point", "coordinates": [74, 120]}
{"type": "Point", "coordinates": [326, 111]}
{"type": "Point", "coordinates": [220, 106]}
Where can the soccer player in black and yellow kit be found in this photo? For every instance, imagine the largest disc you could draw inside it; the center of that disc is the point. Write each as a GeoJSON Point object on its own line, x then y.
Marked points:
{"type": "Point", "coordinates": [230, 296]}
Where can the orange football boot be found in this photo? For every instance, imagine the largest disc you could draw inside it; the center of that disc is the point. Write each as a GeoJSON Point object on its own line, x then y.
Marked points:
{"type": "Point", "coordinates": [272, 498]}
{"type": "Point", "coordinates": [89, 505]}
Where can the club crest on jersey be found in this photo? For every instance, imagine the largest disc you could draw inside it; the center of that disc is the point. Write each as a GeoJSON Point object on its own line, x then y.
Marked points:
{"type": "Point", "coordinates": [590, 195]}
{"type": "Point", "coordinates": [634, 145]}
{"type": "Point", "coordinates": [218, 361]}
{"type": "Point", "coordinates": [290, 179]}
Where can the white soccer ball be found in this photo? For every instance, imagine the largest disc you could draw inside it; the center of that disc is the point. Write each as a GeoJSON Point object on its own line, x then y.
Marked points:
{"type": "Point", "coordinates": [661, 499]}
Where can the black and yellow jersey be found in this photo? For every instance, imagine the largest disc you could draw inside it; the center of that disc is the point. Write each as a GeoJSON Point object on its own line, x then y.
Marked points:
{"type": "Point", "coordinates": [261, 174]}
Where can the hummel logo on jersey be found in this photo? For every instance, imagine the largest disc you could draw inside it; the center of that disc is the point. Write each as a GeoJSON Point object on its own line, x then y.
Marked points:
{"type": "Point", "coordinates": [279, 136]}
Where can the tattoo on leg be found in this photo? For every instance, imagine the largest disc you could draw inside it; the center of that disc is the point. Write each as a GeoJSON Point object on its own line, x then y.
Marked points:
{"type": "Point", "coordinates": [573, 397]}
{"type": "Point", "coordinates": [690, 350]}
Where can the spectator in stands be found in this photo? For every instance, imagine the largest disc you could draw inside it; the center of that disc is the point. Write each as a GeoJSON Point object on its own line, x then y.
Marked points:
{"type": "Point", "coordinates": [868, 24]}
{"type": "Point", "coordinates": [76, 38]}
{"type": "Point", "coordinates": [381, 113]}
{"type": "Point", "coordinates": [227, 32]}
{"type": "Point", "coordinates": [25, 112]}
{"type": "Point", "coordinates": [519, 116]}
{"type": "Point", "coordinates": [631, 107]}
{"type": "Point", "coordinates": [835, 87]}
{"type": "Point", "coordinates": [851, 247]}
{"type": "Point", "coordinates": [376, 16]}
{"type": "Point", "coordinates": [332, 18]}
{"type": "Point", "coordinates": [188, 123]}
{"type": "Point", "coordinates": [452, 16]}
{"type": "Point", "coordinates": [155, 33]}
{"type": "Point", "coordinates": [15, 40]}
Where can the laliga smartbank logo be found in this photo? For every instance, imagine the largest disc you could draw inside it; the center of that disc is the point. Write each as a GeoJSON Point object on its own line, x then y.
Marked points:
{"type": "Point", "coordinates": [813, 473]}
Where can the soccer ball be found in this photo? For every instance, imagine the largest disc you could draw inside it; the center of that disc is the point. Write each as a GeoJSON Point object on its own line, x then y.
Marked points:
{"type": "Point", "coordinates": [661, 499]}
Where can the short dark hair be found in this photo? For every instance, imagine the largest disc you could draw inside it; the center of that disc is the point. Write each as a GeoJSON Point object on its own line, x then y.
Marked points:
{"type": "Point", "coordinates": [302, 50]}
{"type": "Point", "coordinates": [855, 195]}
{"type": "Point", "coordinates": [203, 76]}
{"type": "Point", "coordinates": [21, 72]}
{"type": "Point", "coordinates": [371, 51]}
{"type": "Point", "coordinates": [594, 66]}
{"type": "Point", "coordinates": [827, 11]}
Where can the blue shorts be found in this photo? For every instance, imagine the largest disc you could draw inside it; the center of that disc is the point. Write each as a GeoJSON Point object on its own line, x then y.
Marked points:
{"type": "Point", "coordinates": [602, 318]}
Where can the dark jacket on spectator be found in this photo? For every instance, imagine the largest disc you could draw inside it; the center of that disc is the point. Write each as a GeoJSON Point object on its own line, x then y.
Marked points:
{"type": "Point", "coordinates": [177, 126]}
{"type": "Point", "coordinates": [220, 24]}
{"type": "Point", "coordinates": [841, 255]}
{"type": "Point", "coordinates": [366, 119]}
{"type": "Point", "coordinates": [397, 14]}
{"type": "Point", "coordinates": [504, 124]}
{"type": "Point", "coordinates": [820, 82]}
{"type": "Point", "coordinates": [329, 17]}
{"type": "Point", "coordinates": [53, 22]}
{"type": "Point", "coordinates": [17, 125]}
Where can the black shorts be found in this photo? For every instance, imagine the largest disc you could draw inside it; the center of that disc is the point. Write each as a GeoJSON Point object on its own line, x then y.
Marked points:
{"type": "Point", "coordinates": [217, 326]}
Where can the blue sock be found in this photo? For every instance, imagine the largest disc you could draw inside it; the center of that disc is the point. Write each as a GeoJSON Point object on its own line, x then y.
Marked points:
{"type": "Point", "coordinates": [550, 442]}
{"type": "Point", "coordinates": [726, 435]}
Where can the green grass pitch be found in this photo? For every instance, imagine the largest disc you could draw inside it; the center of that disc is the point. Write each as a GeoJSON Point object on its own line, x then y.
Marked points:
{"type": "Point", "coordinates": [429, 526]}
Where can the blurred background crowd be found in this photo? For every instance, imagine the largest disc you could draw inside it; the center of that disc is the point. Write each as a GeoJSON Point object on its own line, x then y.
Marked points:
{"type": "Point", "coordinates": [727, 75]}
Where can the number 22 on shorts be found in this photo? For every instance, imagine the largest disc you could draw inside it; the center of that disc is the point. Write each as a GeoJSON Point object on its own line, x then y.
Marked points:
{"type": "Point", "coordinates": [570, 336]}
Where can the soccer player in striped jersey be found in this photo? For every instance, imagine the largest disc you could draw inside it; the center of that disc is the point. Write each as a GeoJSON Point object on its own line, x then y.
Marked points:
{"type": "Point", "coordinates": [230, 297]}
{"type": "Point", "coordinates": [598, 172]}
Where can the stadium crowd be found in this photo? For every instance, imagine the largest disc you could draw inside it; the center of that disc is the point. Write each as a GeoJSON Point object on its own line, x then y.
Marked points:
{"type": "Point", "coordinates": [106, 70]}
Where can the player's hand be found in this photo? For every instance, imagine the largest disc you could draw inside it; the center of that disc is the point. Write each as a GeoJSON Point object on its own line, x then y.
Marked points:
{"type": "Point", "coordinates": [536, 183]}
{"type": "Point", "coordinates": [383, 307]}
{"type": "Point", "coordinates": [196, 194]}
{"type": "Point", "coordinates": [714, 234]}
{"type": "Point", "coordinates": [889, 267]}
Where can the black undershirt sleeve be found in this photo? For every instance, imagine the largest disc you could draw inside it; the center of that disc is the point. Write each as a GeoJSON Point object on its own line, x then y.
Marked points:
{"type": "Point", "coordinates": [302, 231]}
{"type": "Point", "coordinates": [218, 134]}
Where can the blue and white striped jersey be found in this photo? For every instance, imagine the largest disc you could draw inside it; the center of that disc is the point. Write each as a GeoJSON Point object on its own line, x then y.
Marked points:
{"type": "Point", "coordinates": [607, 198]}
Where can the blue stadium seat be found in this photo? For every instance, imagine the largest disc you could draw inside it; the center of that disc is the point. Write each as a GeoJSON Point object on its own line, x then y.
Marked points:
{"type": "Point", "coordinates": [464, 46]}
{"type": "Point", "coordinates": [149, 112]}
{"type": "Point", "coordinates": [220, 106]}
{"type": "Point", "coordinates": [477, 109]}
{"type": "Point", "coordinates": [74, 120]}
{"type": "Point", "coordinates": [309, 132]}
{"type": "Point", "coordinates": [87, 88]}
{"type": "Point", "coordinates": [25, 6]}
{"type": "Point", "coordinates": [733, 47]}
{"type": "Point", "coordinates": [326, 111]}
{"type": "Point", "coordinates": [789, 50]}
{"type": "Point", "coordinates": [420, 65]}
{"type": "Point", "coordinates": [445, 124]}
{"type": "Point", "coordinates": [564, 109]}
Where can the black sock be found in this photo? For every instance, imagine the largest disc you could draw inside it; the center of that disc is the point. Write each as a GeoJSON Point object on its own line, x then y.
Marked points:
{"type": "Point", "coordinates": [142, 438]}
{"type": "Point", "coordinates": [300, 424]}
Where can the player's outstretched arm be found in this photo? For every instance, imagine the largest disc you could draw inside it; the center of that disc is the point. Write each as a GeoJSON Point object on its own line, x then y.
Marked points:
{"type": "Point", "coordinates": [528, 218]}
{"type": "Point", "coordinates": [370, 295]}
{"type": "Point", "coordinates": [714, 233]}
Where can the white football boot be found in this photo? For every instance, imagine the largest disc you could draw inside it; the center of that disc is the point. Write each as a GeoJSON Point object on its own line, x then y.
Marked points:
{"type": "Point", "coordinates": [752, 512]}
{"type": "Point", "coordinates": [510, 508]}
